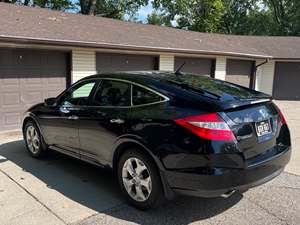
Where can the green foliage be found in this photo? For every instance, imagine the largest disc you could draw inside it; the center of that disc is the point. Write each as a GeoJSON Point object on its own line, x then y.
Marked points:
{"type": "Point", "coordinates": [285, 16]}
{"type": "Point", "coordinates": [198, 15]}
{"type": "Point", "coordinates": [156, 18]}
{"type": "Point", "coordinates": [111, 8]}
{"type": "Point", "coordinates": [53, 4]}
{"type": "Point", "coordinates": [245, 17]}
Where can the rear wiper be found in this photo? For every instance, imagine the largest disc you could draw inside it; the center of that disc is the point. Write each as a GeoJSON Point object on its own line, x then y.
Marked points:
{"type": "Point", "coordinates": [198, 90]}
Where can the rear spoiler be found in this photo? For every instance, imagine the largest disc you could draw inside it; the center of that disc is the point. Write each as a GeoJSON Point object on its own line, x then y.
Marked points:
{"type": "Point", "coordinates": [237, 104]}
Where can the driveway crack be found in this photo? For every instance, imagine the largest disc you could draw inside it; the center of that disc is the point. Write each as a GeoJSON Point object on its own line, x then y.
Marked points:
{"type": "Point", "coordinates": [34, 197]}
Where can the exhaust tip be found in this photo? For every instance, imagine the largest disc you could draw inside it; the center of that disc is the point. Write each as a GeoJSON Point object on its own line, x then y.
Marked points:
{"type": "Point", "coordinates": [228, 194]}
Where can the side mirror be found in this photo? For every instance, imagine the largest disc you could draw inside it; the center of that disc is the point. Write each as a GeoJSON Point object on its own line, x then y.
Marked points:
{"type": "Point", "coordinates": [50, 102]}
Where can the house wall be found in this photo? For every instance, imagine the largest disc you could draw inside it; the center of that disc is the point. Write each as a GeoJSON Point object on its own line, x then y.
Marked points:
{"type": "Point", "coordinates": [265, 77]}
{"type": "Point", "coordinates": [83, 64]}
{"type": "Point", "coordinates": [166, 62]}
{"type": "Point", "coordinates": [220, 72]}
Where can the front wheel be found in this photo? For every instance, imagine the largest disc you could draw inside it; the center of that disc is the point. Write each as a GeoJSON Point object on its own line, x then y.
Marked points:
{"type": "Point", "coordinates": [34, 141]}
{"type": "Point", "coordinates": [139, 180]}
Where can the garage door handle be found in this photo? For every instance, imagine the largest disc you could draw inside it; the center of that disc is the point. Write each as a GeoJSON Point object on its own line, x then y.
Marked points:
{"type": "Point", "coordinates": [118, 121]}
{"type": "Point", "coordinates": [73, 117]}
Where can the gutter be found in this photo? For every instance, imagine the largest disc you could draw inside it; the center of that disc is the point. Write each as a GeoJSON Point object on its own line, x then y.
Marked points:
{"type": "Point", "coordinates": [253, 72]}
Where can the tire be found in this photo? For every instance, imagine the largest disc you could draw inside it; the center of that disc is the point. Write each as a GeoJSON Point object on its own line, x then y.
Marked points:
{"type": "Point", "coordinates": [34, 141]}
{"type": "Point", "coordinates": [142, 185]}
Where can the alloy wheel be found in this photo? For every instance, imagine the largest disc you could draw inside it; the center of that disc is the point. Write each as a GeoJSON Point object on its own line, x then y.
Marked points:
{"type": "Point", "coordinates": [33, 140]}
{"type": "Point", "coordinates": [136, 179]}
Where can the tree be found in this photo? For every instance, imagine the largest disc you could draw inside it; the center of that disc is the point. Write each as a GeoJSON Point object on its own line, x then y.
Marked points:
{"type": "Point", "coordinates": [156, 18]}
{"type": "Point", "coordinates": [111, 8]}
{"type": "Point", "coordinates": [52, 4]}
{"type": "Point", "coordinates": [285, 16]}
{"type": "Point", "coordinates": [245, 17]}
{"type": "Point", "coordinates": [198, 15]}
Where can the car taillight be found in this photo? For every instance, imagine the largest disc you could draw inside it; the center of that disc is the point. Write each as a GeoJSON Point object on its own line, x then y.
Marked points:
{"type": "Point", "coordinates": [282, 118]}
{"type": "Point", "coordinates": [208, 126]}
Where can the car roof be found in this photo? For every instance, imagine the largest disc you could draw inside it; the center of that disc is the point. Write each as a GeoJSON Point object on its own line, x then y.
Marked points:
{"type": "Point", "coordinates": [134, 76]}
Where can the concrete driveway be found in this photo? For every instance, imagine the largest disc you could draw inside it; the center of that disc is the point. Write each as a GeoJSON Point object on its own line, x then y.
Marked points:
{"type": "Point", "coordinates": [61, 190]}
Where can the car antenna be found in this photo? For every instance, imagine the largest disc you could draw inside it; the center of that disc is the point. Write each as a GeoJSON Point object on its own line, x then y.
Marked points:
{"type": "Point", "coordinates": [178, 71]}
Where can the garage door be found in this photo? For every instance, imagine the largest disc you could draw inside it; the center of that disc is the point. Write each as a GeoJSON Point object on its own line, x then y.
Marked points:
{"type": "Point", "coordinates": [199, 66]}
{"type": "Point", "coordinates": [286, 84]}
{"type": "Point", "coordinates": [26, 78]}
{"type": "Point", "coordinates": [239, 71]}
{"type": "Point", "coordinates": [107, 62]}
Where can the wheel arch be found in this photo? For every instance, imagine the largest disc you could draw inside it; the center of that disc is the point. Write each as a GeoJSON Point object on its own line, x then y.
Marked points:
{"type": "Point", "coordinates": [128, 144]}
{"type": "Point", "coordinates": [30, 117]}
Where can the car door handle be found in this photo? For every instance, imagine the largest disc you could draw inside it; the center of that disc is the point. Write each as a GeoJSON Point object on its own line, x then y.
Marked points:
{"type": "Point", "coordinates": [73, 117]}
{"type": "Point", "coordinates": [118, 121]}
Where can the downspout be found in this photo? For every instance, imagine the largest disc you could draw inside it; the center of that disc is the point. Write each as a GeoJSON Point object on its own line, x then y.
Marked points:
{"type": "Point", "coordinates": [253, 73]}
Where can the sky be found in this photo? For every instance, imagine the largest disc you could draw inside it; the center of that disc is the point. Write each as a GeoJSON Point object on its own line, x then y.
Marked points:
{"type": "Point", "coordinates": [145, 11]}
{"type": "Point", "coordinates": [142, 14]}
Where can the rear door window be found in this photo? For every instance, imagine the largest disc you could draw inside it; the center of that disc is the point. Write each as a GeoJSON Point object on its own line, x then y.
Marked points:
{"type": "Point", "coordinates": [113, 93]}
{"type": "Point", "coordinates": [142, 96]}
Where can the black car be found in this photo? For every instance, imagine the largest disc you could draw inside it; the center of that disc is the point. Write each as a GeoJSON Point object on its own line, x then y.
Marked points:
{"type": "Point", "coordinates": [165, 133]}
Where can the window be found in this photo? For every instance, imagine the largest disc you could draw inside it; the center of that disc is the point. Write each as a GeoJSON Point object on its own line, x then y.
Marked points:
{"type": "Point", "coordinates": [141, 96]}
{"type": "Point", "coordinates": [113, 93]}
{"type": "Point", "coordinates": [79, 94]}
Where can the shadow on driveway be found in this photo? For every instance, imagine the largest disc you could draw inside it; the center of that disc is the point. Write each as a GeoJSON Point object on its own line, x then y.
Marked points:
{"type": "Point", "coordinates": [97, 189]}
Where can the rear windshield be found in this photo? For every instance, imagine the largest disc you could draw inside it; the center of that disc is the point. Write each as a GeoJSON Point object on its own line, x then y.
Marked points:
{"type": "Point", "coordinates": [216, 88]}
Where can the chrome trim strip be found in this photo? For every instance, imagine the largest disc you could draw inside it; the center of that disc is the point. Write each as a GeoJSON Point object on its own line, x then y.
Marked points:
{"type": "Point", "coordinates": [259, 101]}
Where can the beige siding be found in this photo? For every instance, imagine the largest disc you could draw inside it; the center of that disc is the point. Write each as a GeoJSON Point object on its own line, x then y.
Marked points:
{"type": "Point", "coordinates": [265, 77]}
{"type": "Point", "coordinates": [166, 62]}
{"type": "Point", "coordinates": [220, 72]}
{"type": "Point", "coordinates": [83, 64]}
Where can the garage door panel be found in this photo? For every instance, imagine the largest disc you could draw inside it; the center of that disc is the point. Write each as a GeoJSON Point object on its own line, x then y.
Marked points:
{"type": "Point", "coordinates": [10, 121]}
{"type": "Point", "coordinates": [239, 71]}
{"type": "Point", "coordinates": [107, 62]}
{"type": "Point", "coordinates": [32, 97]}
{"type": "Point", "coordinates": [286, 84]}
{"type": "Point", "coordinates": [28, 77]}
{"type": "Point", "coordinates": [242, 80]}
{"type": "Point", "coordinates": [11, 99]}
{"type": "Point", "coordinates": [200, 66]}
{"type": "Point", "coordinates": [9, 84]}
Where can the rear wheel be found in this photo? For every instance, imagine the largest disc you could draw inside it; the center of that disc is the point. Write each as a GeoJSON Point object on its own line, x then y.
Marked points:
{"type": "Point", "coordinates": [139, 180]}
{"type": "Point", "coordinates": [34, 141]}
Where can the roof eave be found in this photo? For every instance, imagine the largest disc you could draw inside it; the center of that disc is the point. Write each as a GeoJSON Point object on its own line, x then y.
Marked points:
{"type": "Point", "coordinates": [72, 43]}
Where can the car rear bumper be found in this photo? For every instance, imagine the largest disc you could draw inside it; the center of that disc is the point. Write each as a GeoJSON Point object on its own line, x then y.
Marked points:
{"type": "Point", "coordinates": [226, 180]}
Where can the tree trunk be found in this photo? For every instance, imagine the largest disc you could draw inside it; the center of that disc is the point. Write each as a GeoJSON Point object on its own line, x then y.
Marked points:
{"type": "Point", "coordinates": [92, 7]}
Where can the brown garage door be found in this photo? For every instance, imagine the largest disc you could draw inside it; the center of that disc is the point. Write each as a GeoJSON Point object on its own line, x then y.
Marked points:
{"type": "Point", "coordinates": [239, 71]}
{"type": "Point", "coordinates": [199, 66]}
{"type": "Point", "coordinates": [110, 62]}
{"type": "Point", "coordinates": [26, 78]}
{"type": "Point", "coordinates": [286, 84]}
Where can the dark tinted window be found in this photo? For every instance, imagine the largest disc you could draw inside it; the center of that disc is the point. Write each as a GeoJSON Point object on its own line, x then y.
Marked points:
{"type": "Point", "coordinates": [113, 93]}
{"type": "Point", "coordinates": [142, 96]}
{"type": "Point", "coordinates": [79, 94]}
{"type": "Point", "coordinates": [207, 85]}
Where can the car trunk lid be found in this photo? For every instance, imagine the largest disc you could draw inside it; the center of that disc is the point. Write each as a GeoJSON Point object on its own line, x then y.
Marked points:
{"type": "Point", "coordinates": [255, 127]}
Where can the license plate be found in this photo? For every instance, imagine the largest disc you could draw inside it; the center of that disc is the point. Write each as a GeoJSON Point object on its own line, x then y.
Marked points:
{"type": "Point", "coordinates": [263, 128]}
